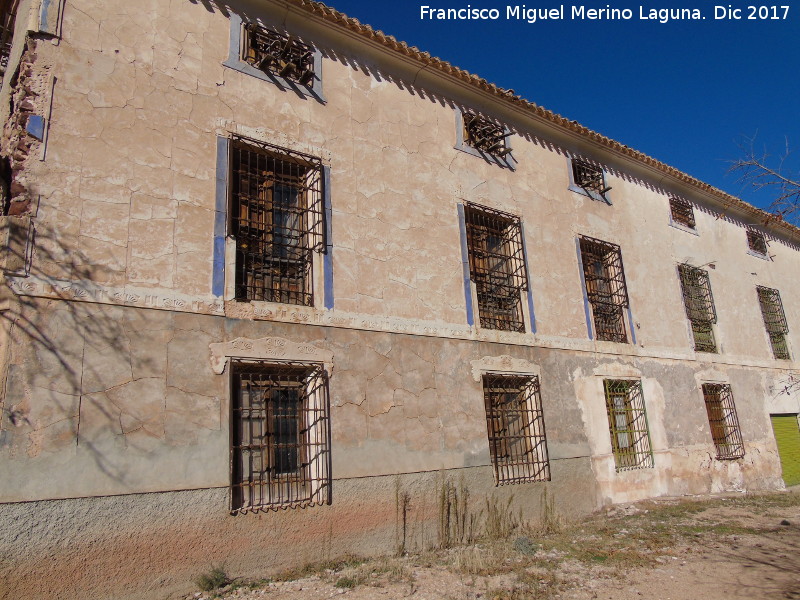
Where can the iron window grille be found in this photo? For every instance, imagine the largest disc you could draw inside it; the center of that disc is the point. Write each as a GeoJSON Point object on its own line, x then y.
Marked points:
{"type": "Point", "coordinates": [280, 451]}
{"type": "Point", "coordinates": [682, 212]}
{"type": "Point", "coordinates": [497, 266]}
{"type": "Point", "coordinates": [606, 288]}
{"type": "Point", "coordinates": [277, 221]}
{"type": "Point", "coordinates": [515, 423]}
{"type": "Point", "coordinates": [756, 242]}
{"type": "Point", "coordinates": [723, 420]}
{"type": "Point", "coordinates": [774, 321]}
{"type": "Point", "coordinates": [699, 304]}
{"type": "Point", "coordinates": [484, 135]}
{"type": "Point", "coordinates": [589, 177]}
{"type": "Point", "coordinates": [627, 422]}
{"type": "Point", "coordinates": [277, 53]}
{"type": "Point", "coordinates": [8, 18]}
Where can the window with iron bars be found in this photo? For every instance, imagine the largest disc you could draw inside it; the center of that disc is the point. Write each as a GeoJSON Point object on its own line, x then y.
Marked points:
{"type": "Point", "coordinates": [276, 218]}
{"type": "Point", "coordinates": [606, 289]}
{"type": "Point", "coordinates": [774, 321]}
{"type": "Point", "coordinates": [589, 177]}
{"type": "Point", "coordinates": [627, 422]}
{"type": "Point", "coordinates": [496, 266]}
{"type": "Point", "coordinates": [280, 432]}
{"type": "Point", "coordinates": [8, 18]}
{"type": "Point", "coordinates": [484, 135]}
{"type": "Point", "coordinates": [699, 304]}
{"type": "Point", "coordinates": [682, 212]}
{"type": "Point", "coordinates": [278, 53]}
{"type": "Point", "coordinates": [723, 420]}
{"type": "Point", "coordinates": [756, 242]}
{"type": "Point", "coordinates": [515, 424]}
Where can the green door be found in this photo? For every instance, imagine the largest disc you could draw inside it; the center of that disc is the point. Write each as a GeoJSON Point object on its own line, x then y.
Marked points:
{"type": "Point", "coordinates": [787, 434]}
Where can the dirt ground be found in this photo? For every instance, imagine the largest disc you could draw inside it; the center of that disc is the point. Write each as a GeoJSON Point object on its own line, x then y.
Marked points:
{"type": "Point", "coordinates": [673, 549]}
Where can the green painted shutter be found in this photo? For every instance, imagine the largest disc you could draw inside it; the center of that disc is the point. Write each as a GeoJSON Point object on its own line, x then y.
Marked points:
{"type": "Point", "coordinates": [787, 434]}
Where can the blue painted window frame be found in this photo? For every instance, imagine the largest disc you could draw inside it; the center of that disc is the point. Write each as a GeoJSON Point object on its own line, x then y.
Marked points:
{"type": "Point", "coordinates": [221, 225]}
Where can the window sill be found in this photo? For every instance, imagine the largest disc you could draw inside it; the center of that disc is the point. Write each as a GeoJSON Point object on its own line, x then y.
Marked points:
{"type": "Point", "coordinates": [759, 255]}
{"type": "Point", "coordinates": [683, 228]}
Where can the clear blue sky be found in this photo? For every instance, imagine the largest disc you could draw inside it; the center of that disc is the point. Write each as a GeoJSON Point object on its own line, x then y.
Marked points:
{"type": "Point", "coordinates": [684, 92]}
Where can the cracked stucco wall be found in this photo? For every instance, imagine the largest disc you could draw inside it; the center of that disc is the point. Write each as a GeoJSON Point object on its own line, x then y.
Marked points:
{"type": "Point", "coordinates": [118, 407]}
{"type": "Point", "coordinates": [111, 400]}
{"type": "Point", "coordinates": [129, 184]}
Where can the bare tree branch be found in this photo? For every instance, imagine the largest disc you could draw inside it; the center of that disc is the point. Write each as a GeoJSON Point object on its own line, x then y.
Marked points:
{"type": "Point", "coordinates": [761, 171]}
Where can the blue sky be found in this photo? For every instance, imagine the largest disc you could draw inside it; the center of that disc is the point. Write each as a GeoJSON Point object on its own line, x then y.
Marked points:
{"type": "Point", "coordinates": [684, 92]}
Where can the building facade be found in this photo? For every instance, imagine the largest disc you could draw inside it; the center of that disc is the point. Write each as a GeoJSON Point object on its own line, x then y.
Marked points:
{"type": "Point", "coordinates": [278, 287]}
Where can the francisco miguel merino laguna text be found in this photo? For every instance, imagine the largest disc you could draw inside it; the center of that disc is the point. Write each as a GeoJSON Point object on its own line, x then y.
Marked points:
{"type": "Point", "coordinates": [579, 12]}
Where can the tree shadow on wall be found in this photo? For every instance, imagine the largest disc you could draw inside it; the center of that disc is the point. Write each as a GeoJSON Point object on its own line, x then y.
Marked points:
{"type": "Point", "coordinates": [68, 362]}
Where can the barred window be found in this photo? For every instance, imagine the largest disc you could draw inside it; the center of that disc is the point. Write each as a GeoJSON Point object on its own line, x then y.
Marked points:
{"type": "Point", "coordinates": [497, 266]}
{"type": "Point", "coordinates": [627, 422]}
{"type": "Point", "coordinates": [774, 321]}
{"type": "Point", "coordinates": [484, 135]}
{"type": "Point", "coordinates": [277, 221]}
{"type": "Point", "coordinates": [515, 424]}
{"type": "Point", "coordinates": [699, 304]}
{"type": "Point", "coordinates": [589, 177]}
{"type": "Point", "coordinates": [280, 435]}
{"type": "Point", "coordinates": [8, 18]}
{"type": "Point", "coordinates": [682, 212]}
{"type": "Point", "coordinates": [756, 242]}
{"type": "Point", "coordinates": [606, 289]}
{"type": "Point", "coordinates": [278, 53]}
{"type": "Point", "coordinates": [723, 420]}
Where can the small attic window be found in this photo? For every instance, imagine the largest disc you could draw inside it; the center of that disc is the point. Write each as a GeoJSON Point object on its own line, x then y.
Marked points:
{"type": "Point", "coordinates": [589, 177]}
{"type": "Point", "coordinates": [486, 136]}
{"type": "Point", "coordinates": [682, 213]}
{"type": "Point", "coordinates": [278, 53]}
{"type": "Point", "coordinates": [756, 242]}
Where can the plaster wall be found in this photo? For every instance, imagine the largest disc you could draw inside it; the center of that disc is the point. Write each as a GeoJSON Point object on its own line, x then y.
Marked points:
{"type": "Point", "coordinates": [128, 191]}
{"type": "Point", "coordinates": [148, 546]}
{"type": "Point", "coordinates": [115, 446]}
{"type": "Point", "coordinates": [113, 400]}
{"type": "Point", "coordinates": [112, 405]}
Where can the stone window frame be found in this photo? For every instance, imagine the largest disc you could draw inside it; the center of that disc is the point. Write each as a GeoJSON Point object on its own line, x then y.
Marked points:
{"type": "Point", "coordinates": [507, 162]}
{"type": "Point", "coordinates": [533, 463]}
{"type": "Point", "coordinates": [574, 187]}
{"type": "Point", "coordinates": [236, 62]}
{"type": "Point", "coordinates": [255, 425]}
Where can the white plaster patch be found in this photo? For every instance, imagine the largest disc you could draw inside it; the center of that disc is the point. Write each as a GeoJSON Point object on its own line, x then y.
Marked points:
{"type": "Point", "coordinates": [616, 370]}
{"type": "Point", "coordinates": [267, 348]}
{"type": "Point", "coordinates": [504, 364]}
{"type": "Point", "coordinates": [710, 376]}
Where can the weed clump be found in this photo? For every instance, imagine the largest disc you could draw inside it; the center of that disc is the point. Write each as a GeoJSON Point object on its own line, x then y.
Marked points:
{"type": "Point", "coordinates": [213, 580]}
